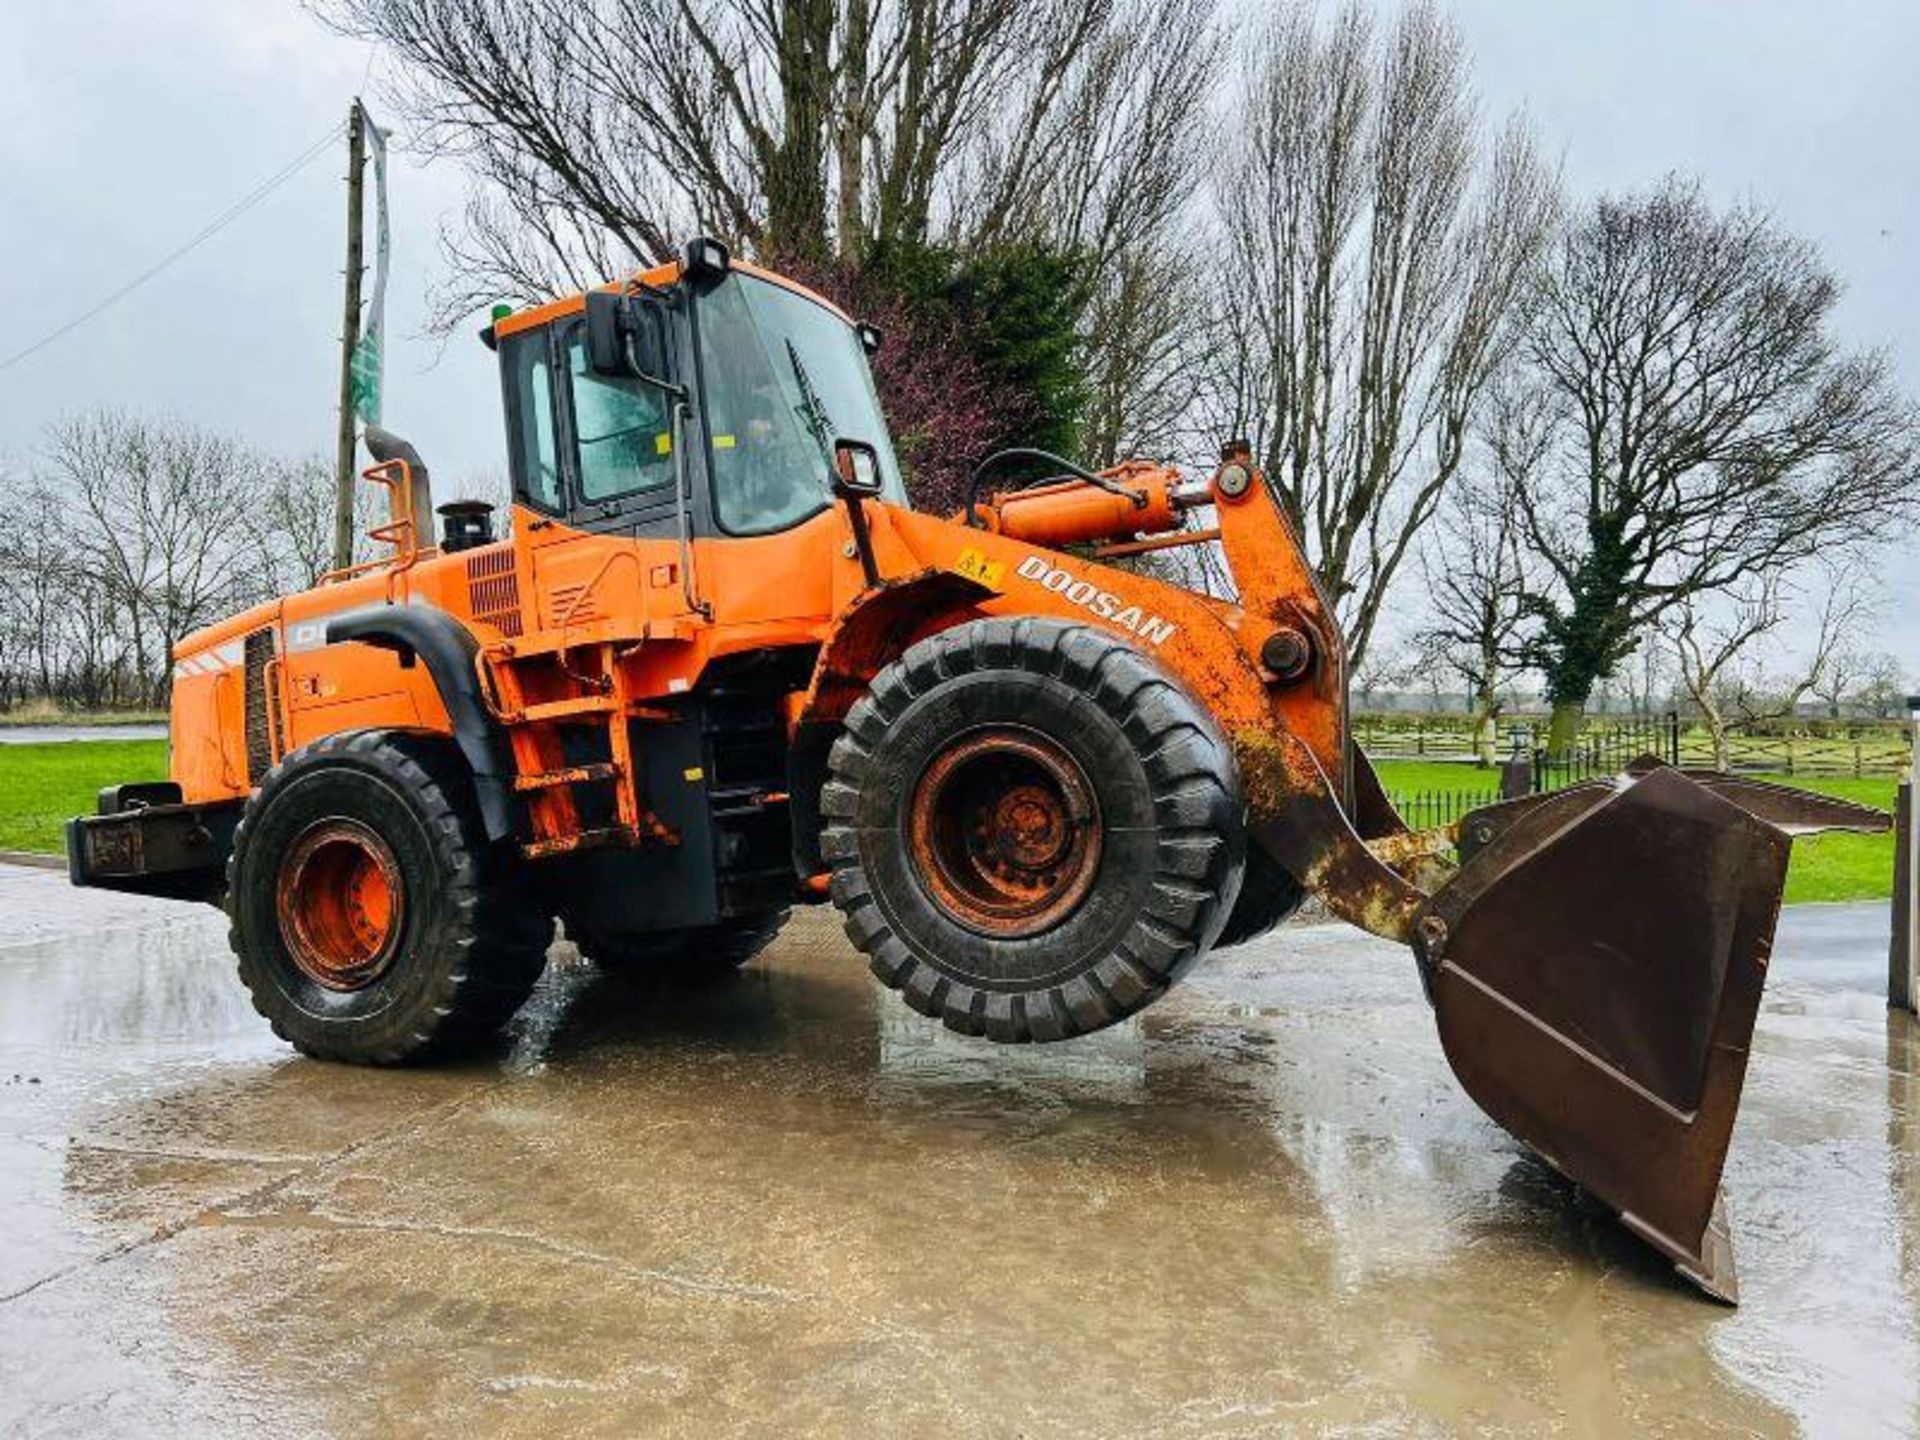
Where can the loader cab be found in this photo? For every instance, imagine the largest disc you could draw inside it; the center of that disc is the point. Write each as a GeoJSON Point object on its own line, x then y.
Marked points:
{"type": "Point", "coordinates": [724, 389]}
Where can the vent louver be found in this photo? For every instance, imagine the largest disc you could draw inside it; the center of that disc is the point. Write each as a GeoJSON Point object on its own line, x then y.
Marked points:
{"type": "Point", "coordinates": [493, 590]}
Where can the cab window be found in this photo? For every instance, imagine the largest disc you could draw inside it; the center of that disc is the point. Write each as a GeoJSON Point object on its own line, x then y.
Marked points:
{"type": "Point", "coordinates": [622, 428]}
{"type": "Point", "coordinates": [536, 455]}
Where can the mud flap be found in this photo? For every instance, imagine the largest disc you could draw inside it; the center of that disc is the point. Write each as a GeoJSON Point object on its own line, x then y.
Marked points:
{"type": "Point", "coordinates": [1596, 970]}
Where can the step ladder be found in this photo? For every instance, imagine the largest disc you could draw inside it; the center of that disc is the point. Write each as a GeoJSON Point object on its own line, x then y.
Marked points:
{"type": "Point", "coordinates": [544, 777]}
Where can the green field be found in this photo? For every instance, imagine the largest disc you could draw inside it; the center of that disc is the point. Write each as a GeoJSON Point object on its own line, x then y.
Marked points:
{"type": "Point", "coordinates": [1826, 867]}
{"type": "Point", "coordinates": [42, 785]}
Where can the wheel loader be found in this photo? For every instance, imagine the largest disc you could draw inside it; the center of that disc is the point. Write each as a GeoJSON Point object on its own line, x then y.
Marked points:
{"type": "Point", "coordinates": [721, 667]}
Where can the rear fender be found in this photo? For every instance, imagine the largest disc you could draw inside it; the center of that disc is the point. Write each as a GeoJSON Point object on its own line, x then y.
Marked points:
{"type": "Point", "coordinates": [450, 653]}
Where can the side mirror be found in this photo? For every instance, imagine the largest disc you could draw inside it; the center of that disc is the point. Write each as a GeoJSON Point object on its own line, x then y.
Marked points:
{"type": "Point", "coordinates": [626, 335]}
{"type": "Point", "coordinates": [856, 470]}
{"type": "Point", "coordinates": [870, 338]}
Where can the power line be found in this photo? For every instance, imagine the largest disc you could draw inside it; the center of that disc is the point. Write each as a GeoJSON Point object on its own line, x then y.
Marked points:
{"type": "Point", "coordinates": [220, 222]}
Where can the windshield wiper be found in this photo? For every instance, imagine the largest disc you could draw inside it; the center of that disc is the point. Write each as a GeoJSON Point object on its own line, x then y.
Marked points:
{"type": "Point", "coordinates": [814, 412]}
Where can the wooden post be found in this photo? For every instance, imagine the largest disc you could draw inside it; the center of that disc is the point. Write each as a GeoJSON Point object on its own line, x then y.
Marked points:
{"type": "Point", "coordinates": [343, 465]}
{"type": "Point", "coordinates": [1903, 958]}
{"type": "Point", "coordinates": [1900, 966]}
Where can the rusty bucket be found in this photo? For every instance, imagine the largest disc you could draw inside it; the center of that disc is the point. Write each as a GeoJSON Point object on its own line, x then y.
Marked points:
{"type": "Point", "coordinates": [1596, 970]}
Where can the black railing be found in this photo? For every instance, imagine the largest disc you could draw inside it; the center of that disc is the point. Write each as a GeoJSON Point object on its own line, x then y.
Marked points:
{"type": "Point", "coordinates": [1430, 809]}
{"type": "Point", "coordinates": [1604, 750]}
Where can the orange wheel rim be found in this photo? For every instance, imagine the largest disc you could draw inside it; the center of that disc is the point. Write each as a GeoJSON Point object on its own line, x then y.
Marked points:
{"type": "Point", "coordinates": [342, 904]}
{"type": "Point", "coordinates": [1004, 829]}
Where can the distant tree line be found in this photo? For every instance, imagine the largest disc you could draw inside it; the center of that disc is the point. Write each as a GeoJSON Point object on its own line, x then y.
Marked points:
{"type": "Point", "coordinates": [126, 533]}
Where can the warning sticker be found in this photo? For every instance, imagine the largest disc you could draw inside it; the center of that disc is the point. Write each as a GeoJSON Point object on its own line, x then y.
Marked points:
{"type": "Point", "coordinates": [976, 566]}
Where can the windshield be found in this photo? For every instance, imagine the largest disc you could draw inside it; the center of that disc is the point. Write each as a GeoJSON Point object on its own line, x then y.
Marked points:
{"type": "Point", "coordinates": [783, 377]}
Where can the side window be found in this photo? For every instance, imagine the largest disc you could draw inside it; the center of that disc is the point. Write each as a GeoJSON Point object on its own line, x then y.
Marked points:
{"type": "Point", "coordinates": [623, 429]}
{"type": "Point", "coordinates": [531, 406]}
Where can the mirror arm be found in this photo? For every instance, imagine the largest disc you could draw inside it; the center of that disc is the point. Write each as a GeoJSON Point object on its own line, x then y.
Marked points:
{"type": "Point", "coordinates": [862, 537]}
{"type": "Point", "coordinates": [678, 393]}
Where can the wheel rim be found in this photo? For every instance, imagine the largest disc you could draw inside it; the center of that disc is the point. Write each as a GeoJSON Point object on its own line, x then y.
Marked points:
{"type": "Point", "coordinates": [342, 904]}
{"type": "Point", "coordinates": [1004, 829]}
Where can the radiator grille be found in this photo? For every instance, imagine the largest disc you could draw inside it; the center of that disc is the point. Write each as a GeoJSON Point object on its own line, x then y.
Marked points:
{"type": "Point", "coordinates": [493, 590]}
{"type": "Point", "coordinates": [259, 651]}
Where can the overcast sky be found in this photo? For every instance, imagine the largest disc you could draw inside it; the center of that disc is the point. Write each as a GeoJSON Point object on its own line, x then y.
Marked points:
{"type": "Point", "coordinates": [125, 126]}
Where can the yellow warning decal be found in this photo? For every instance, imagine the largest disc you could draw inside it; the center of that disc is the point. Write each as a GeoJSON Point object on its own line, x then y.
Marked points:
{"type": "Point", "coordinates": [976, 566]}
{"type": "Point", "coordinates": [663, 443]}
{"type": "Point", "coordinates": [693, 773]}
{"type": "Point", "coordinates": [723, 442]}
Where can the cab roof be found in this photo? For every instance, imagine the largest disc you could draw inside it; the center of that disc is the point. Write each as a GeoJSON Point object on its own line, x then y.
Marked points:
{"type": "Point", "coordinates": [659, 276]}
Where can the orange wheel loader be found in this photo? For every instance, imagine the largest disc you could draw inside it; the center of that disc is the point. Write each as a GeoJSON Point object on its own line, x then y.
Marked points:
{"type": "Point", "coordinates": [721, 667]}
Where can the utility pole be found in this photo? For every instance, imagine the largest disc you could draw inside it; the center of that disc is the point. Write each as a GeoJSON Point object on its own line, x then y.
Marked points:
{"type": "Point", "coordinates": [344, 467]}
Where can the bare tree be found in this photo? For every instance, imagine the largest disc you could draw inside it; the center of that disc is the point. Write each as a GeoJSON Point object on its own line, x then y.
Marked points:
{"type": "Point", "coordinates": [601, 130]}
{"type": "Point", "coordinates": [1152, 317]}
{"type": "Point", "coordinates": [1475, 570]}
{"type": "Point", "coordinates": [1707, 429]}
{"type": "Point", "coordinates": [1719, 669]}
{"type": "Point", "coordinates": [1377, 242]}
{"type": "Point", "coordinates": [1847, 669]}
{"type": "Point", "coordinates": [160, 505]}
{"type": "Point", "coordinates": [1884, 688]}
{"type": "Point", "coordinates": [136, 532]}
{"type": "Point", "coordinates": [288, 519]}
{"type": "Point", "coordinates": [1382, 668]}
{"type": "Point", "coordinates": [1649, 681]}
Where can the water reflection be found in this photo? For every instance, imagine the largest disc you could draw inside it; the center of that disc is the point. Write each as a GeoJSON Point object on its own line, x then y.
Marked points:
{"type": "Point", "coordinates": [787, 1202]}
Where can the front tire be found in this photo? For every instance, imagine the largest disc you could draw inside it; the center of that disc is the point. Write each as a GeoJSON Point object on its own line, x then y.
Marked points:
{"type": "Point", "coordinates": [373, 921]}
{"type": "Point", "coordinates": [1033, 832]}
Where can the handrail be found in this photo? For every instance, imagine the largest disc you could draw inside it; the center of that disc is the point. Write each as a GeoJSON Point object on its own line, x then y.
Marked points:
{"type": "Point", "coordinates": [401, 530]}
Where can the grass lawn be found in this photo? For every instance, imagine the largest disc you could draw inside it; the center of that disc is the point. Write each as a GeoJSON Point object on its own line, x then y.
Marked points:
{"type": "Point", "coordinates": [41, 786]}
{"type": "Point", "coordinates": [44, 786]}
{"type": "Point", "coordinates": [1825, 867]}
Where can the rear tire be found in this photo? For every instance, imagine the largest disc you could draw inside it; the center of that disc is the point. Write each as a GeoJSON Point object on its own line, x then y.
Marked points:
{"type": "Point", "coordinates": [698, 954]}
{"type": "Point", "coordinates": [1032, 831]}
{"type": "Point", "coordinates": [373, 921]}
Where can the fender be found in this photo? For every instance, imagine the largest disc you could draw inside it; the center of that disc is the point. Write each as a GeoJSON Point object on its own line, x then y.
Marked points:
{"type": "Point", "coordinates": [449, 651]}
{"type": "Point", "coordinates": [876, 629]}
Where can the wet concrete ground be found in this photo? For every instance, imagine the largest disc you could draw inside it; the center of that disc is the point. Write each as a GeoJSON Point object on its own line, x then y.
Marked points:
{"type": "Point", "coordinates": [790, 1205]}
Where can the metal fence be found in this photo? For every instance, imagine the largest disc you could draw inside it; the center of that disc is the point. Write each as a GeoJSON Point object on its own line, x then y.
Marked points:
{"type": "Point", "coordinates": [1608, 743]}
{"type": "Point", "coordinates": [1607, 750]}
{"type": "Point", "coordinates": [1429, 809]}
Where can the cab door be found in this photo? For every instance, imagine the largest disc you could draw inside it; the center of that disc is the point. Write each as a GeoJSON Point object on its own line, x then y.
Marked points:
{"type": "Point", "coordinates": [594, 469]}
